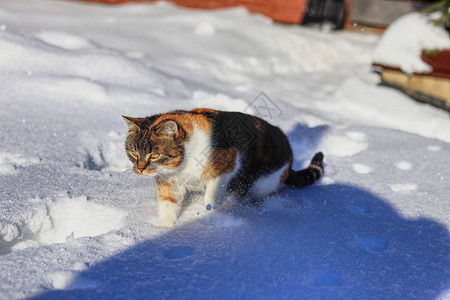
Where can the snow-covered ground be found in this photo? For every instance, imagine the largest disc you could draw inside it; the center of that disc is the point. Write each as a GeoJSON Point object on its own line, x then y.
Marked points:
{"type": "Point", "coordinates": [75, 222]}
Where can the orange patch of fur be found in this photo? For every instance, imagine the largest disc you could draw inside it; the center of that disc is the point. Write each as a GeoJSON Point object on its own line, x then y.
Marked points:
{"type": "Point", "coordinates": [221, 161]}
{"type": "Point", "coordinates": [187, 121]}
{"type": "Point", "coordinates": [165, 192]}
{"type": "Point", "coordinates": [203, 110]}
{"type": "Point", "coordinates": [170, 199]}
{"type": "Point", "coordinates": [174, 163]}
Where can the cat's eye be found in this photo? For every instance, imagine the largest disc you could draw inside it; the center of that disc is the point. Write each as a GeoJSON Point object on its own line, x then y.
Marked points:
{"type": "Point", "coordinates": [155, 155]}
{"type": "Point", "coordinates": [135, 154]}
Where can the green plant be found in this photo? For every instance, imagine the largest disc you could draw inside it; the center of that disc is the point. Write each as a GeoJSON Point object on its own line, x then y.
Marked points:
{"type": "Point", "coordinates": [431, 52]}
{"type": "Point", "coordinates": [444, 18]}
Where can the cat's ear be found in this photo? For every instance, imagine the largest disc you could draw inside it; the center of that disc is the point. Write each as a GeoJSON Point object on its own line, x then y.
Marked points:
{"type": "Point", "coordinates": [167, 128]}
{"type": "Point", "coordinates": [134, 123]}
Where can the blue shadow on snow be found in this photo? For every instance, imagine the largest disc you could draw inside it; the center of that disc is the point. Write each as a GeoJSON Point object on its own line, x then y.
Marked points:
{"type": "Point", "coordinates": [323, 242]}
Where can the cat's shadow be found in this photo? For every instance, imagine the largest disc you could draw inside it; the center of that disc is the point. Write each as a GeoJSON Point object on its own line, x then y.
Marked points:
{"type": "Point", "coordinates": [321, 242]}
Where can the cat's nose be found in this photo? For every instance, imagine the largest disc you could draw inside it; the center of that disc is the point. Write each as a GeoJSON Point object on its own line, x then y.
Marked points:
{"type": "Point", "coordinates": [141, 166]}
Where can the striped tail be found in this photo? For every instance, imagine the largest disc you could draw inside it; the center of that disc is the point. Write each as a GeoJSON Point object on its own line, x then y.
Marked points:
{"type": "Point", "coordinates": [307, 176]}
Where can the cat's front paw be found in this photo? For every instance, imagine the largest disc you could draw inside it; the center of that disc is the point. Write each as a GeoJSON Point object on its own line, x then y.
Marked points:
{"type": "Point", "coordinates": [167, 214]}
{"type": "Point", "coordinates": [164, 223]}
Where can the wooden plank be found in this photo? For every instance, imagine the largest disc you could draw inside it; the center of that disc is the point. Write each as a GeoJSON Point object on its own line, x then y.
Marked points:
{"type": "Point", "coordinates": [424, 88]}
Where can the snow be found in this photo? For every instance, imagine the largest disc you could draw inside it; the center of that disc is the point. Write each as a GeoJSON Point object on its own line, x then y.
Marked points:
{"type": "Point", "coordinates": [403, 42]}
{"type": "Point", "coordinates": [76, 222]}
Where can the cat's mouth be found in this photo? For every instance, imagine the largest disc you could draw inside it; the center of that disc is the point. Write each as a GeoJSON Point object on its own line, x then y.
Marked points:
{"type": "Point", "coordinates": [144, 172]}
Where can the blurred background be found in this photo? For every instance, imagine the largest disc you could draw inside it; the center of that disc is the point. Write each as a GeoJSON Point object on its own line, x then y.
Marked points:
{"type": "Point", "coordinates": [337, 13]}
{"type": "Point", "coordinates": [360, 15]}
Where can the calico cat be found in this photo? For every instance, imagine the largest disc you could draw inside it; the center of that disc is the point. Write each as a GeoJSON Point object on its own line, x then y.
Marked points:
{"type": "Point", "coordinates": [228, 155]}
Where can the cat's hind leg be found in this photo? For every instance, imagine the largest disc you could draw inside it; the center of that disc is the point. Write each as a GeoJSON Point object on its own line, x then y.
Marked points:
{"type": "Point", "coordinates": [267, 185]}
{"type": "Point", "coordinates": [216, 191]}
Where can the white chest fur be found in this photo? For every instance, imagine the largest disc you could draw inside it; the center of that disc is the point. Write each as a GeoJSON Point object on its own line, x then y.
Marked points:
{"type": "Point", "coordinates": [196, 154]}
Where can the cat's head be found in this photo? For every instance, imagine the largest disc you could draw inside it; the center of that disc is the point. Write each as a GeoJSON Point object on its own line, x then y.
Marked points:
{"type": "Point", "coordinates": [154, 145]}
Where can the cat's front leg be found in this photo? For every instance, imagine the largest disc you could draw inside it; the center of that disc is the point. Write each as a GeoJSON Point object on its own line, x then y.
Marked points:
{"type": "Point", "coordinates": [170, 196]}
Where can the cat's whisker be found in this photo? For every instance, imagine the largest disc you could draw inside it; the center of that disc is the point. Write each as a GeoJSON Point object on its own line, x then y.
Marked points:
{"type": "Point", "coordinates": [164, 177]}
{"type": "Point", "coordinates": [153, 183]}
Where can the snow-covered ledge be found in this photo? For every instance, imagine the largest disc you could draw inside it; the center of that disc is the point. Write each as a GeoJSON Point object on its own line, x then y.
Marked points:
{"type": "Point", "coordinates": [404, 40]}
{"type": "Point", "coordinates": [413, 56]}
